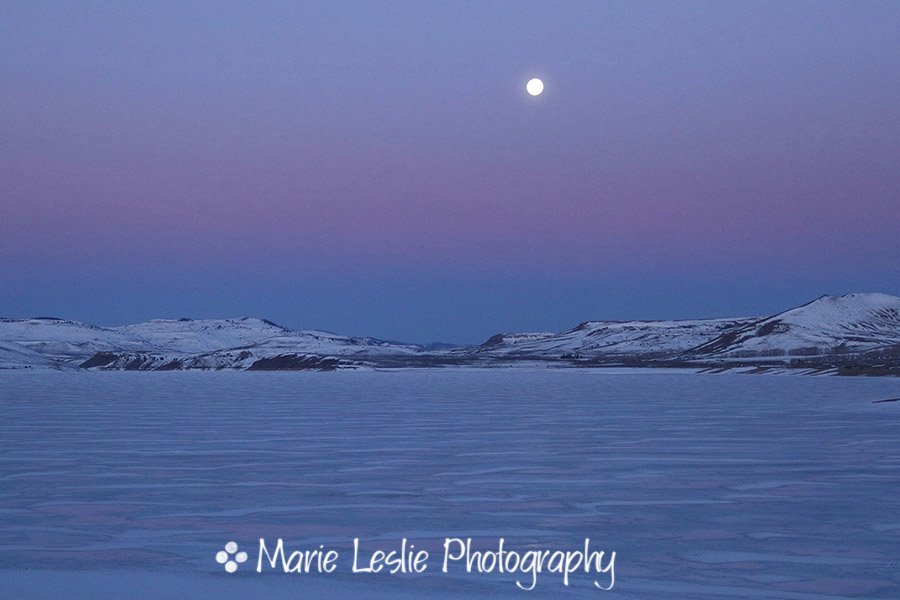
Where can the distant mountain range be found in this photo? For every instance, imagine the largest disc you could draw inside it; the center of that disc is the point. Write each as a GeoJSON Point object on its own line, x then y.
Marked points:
{"type": "Point", "coordinates": [852, 334]}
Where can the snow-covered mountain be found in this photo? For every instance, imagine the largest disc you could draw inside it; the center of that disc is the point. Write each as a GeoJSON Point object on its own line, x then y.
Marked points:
{"type": "Point", "coordinates": [16, 356]}
{"type": "Point", "coordinates": [245, 343]}
{"type": "Point", "coordinates": [830, 325]}
{"type": "Point", "coordinates": [61, 342]}
{"type": "Point", "coordinates": [613, 338]}
{"type": "Point", "coordinates": [855, 331]}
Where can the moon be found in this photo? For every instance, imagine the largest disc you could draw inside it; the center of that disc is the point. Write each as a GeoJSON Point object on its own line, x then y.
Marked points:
{"type": "Point", "coordinates": [534, 86]}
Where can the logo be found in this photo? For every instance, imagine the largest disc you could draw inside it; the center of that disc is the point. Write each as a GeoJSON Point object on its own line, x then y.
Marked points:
{"type": "Point", "coordinates": [230, 557]}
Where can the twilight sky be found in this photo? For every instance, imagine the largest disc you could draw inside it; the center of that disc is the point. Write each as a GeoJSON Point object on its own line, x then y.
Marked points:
{"type": "Point", "coordinates": [377, 168]}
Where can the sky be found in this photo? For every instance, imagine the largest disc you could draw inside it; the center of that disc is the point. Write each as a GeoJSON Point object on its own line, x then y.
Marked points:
{"type": "Point", "coordinates": [376, 168]}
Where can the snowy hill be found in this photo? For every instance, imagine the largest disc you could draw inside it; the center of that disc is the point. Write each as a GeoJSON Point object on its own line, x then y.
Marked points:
{"type": "Point", "coordinates": [61, 341]}
{"type": "Point", "coordinates": [860, 332]}
{"type": "Point", "coordinates": [830, 325]}
{"type": "Point", "coordinates": [202, 335]}
{"type": "Point", "coordinates": [831, 331]}
{"type": "Point", "coordinates": [16, 356]}
{"type": "Point", "coordinates": [614, 338]}
{"type": "Point", "coordinates": [244, 343]}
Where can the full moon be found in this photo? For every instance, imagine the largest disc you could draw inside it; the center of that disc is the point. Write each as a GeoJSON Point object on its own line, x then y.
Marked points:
{"type": "Point", "coordinates": [534, 86]}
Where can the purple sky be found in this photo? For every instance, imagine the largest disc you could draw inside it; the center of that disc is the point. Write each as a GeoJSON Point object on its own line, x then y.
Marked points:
{"type": "Point", "coordinates": [380, 169]}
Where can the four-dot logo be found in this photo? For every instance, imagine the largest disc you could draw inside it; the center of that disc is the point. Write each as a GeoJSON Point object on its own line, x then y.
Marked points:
{"type": "Point", "coordinates": [230, 557]}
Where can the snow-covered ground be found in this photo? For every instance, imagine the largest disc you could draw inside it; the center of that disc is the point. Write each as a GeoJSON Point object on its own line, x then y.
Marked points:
{"type": "Point", "coordinates": [712, 487]}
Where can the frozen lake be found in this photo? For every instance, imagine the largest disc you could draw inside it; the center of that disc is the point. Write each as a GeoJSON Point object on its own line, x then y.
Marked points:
{"type": "Point", "coordinates": [125, 485]}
